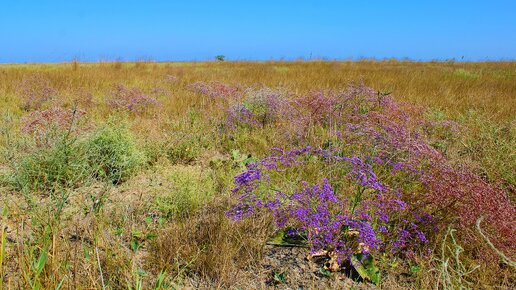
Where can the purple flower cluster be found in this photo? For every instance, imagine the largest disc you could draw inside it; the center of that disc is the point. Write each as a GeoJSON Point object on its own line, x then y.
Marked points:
{"type": "Point", "coordinates": [140, 103]}
{"type": "Point", "coordinates": [269, 106]}
{"type": "Point", "coordinates": [377, 132]}
{"type": "Point", "coordinates": [239, 115]}
{"type": "Point", "coordinates": [317, 108]}
{"type": "Point", "coordinates": [366, 220]}
{"type": "Point", "coordinates": [363, 173]}
{"type": "Point", "coordinates": [55, 117]}
{"type": "Point", "coordinates": [403, 139]}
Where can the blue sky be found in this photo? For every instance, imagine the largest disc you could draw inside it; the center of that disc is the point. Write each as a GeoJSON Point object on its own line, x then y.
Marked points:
{"type": "Point", "coordinates": [54, 31]}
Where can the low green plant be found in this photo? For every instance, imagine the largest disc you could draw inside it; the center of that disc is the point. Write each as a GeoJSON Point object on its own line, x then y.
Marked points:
{"type": "Point", "coordinates": [160, 281]}
{"type": "Point", "coordinates": [466, 74]}
{"type": "Point", "coordinates": [50, 168]}
{"type": "Point", "coordinates": [138, 283]}
{"type": "Point", "coordinates": [184, 150]}
{"type": "Point", "coordinates": [279, 277]}
{"type": "Point", "coordinates": [112, 153]}
{"type": "Point", "coordinates": [191, 188]}
{"type": "Point", "coordinates": [34, 259]}
{"type": "Point", "coordinates": [37, 268]}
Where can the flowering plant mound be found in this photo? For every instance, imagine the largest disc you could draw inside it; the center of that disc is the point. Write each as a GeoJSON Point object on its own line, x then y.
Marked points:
{"type": "Point", "coordinates": [404, 146]}
{"type": "Point", "coordinates": [357, 215]}
{"type": "Point", "coordinates": [261, 107]}
{"type": "Point", "coordinates": [132, 100]}
{"type": "Point", "coordinates": [35, 90]}
{"type": "Point", "coordinates": [213, 89]}
{"type": "Point", "coordinates": [46, 125]}
{"type": "Point", "coordinates": [383, 185]}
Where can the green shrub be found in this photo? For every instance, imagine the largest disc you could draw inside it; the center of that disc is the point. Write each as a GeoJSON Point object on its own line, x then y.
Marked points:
{"type": "Point", "coordinates": [45, 169]}
{"type": "Point", "coordinates": [113, 154]}
{"type": "Point", "coordinates": [109, 154]}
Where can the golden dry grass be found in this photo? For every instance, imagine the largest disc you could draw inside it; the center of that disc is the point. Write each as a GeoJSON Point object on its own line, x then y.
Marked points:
{"type": "Point", "coordinates": [455, 87]}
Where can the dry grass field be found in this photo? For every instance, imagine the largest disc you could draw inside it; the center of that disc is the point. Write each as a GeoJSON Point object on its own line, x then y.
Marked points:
{"type": "Point", "coordinates": [161, 175]}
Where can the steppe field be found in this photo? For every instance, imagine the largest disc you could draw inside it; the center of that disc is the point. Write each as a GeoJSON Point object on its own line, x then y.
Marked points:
{"type": "Point", "coordinates": [252, 175]}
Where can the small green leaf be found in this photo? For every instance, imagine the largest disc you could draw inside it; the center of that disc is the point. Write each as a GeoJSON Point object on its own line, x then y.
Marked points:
{"type": "Point", "coordinates": [148, 220]}
{"type": "Point", "coordinates": [277, 239]}
{"type": "Point", "coordinates": [279, 277]}
{"type": "Point", "coordinates": [250, 159]}
{"type": "Point", "coordinates": [151, 236]}
{"type": "Point", "coordinates": [325, 272]}
{"type": "Point", "coordinates": [137, 234]}
{"type": "Point", "coordinates": [135, 245]}
{"type": "Point", "coordinates": [119, 232]}
{"type": "Point", "coordinates": [415, 268]}
{"type": "Point", "coordinates": [235, 154]}
{"type": "Point", "coordinates": [282, 239]}
{"type": "Point", "coordinates": [40, 264]}
{"type": "Point", "coordinates": [366, 268]}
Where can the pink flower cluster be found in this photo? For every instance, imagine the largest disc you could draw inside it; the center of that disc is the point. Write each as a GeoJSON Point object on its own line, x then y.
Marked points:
{"type": "Point", "coordinates": [132, 100]}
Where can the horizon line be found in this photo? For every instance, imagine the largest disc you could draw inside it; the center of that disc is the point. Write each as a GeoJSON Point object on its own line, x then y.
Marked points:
{"type": "Point", "coordinates": [299, 59]}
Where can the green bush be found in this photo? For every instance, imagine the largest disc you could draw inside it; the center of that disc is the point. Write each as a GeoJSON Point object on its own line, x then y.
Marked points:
{"type": "Point", "coordinates": [109, 154]}
{"type": "Point", "coordinates": [113, 154]}
{"type": "Point", "coordinates": [46, 169]}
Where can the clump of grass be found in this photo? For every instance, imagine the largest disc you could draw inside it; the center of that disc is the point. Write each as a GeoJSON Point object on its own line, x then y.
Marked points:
{"type": "Point", "coordinates": [112, 153]}
{"type": "Point", "coordinates": [192, 187]}
{"type": "Point", "coordinates": [208, 245]}
{"type": "Point", "coordinates": [108, 154]}
{"type": "Point", "coordinates": [184, 151]}
{"type": "Point", "coordinates": [466, 74]}
{"type": "Point", "coordinates": [490, 145]}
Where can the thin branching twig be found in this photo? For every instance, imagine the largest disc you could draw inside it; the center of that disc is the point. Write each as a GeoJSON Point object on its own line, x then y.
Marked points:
{"type": "Point", "coordinates": [505, 259]}
{"type": "Point", "coordinates": [100, 269]}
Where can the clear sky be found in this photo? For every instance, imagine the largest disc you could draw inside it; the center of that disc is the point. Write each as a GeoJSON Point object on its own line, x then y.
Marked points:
{"type": "Point", "coordinates": [54, 31]}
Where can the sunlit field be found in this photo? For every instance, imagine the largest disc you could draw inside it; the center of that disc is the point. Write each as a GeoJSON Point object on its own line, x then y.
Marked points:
{"type": "Point", "coordinates": [250, 175]}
